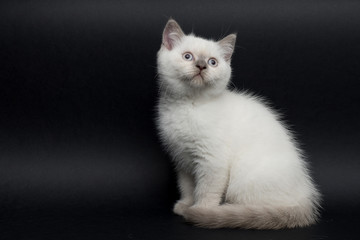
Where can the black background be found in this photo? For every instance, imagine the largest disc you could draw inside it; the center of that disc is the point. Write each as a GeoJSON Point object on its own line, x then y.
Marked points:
{"type": "Point", "coordinates": [79, 154]}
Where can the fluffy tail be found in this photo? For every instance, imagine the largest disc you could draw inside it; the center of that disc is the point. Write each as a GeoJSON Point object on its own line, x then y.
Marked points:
{"type": "Point", "coordinates": [251, 217]}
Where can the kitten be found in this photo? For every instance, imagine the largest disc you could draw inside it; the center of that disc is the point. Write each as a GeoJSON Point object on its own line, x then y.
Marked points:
{"type": "Point", "coordinates": [237, 165]}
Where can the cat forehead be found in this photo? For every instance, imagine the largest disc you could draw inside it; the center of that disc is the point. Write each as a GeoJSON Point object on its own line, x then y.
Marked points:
{"type": "Point", "coordinates": [199, 45]}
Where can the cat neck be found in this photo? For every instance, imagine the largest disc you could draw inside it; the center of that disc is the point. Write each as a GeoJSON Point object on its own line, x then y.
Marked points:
{"type": "Point", "coordinates": [194, 95]}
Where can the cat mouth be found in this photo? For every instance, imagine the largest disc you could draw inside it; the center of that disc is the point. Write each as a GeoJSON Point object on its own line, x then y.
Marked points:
{"type": "Point", "coordinates": [196, 79]}
{"type": "Point", "coordinates": [198, 75]}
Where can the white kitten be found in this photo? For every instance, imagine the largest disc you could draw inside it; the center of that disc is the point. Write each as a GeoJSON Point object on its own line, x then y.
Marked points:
{"type": "Point", "coordinates": [237, 165]}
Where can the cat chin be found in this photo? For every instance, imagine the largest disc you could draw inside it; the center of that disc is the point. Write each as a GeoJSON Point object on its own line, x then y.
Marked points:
{"type": "Point", "coordinates": [197, 81]}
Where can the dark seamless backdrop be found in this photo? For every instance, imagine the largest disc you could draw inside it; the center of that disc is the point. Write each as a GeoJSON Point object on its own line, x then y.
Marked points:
{"type": "Point", "coordinates": [79, 155]}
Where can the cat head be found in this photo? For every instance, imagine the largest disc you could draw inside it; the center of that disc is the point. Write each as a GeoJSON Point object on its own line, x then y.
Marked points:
{"type": "Point", "coordinates": [190, 65]}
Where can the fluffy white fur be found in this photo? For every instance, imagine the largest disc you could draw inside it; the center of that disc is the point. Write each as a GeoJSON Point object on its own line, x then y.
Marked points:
{"type": "Point", "coordinates": [237, 165]}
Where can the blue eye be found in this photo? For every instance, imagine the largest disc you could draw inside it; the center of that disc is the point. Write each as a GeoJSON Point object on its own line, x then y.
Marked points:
{"type": "Point", "coordinates": [188, 56]}
{"type": "Point", "coordinates": [212, 62]}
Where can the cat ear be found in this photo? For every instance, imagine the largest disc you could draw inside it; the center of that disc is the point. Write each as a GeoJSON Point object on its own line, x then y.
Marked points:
{"type": "Point", "coordinates": [228, 44]}
{"type": "Point", "coordinates": [172, 34]}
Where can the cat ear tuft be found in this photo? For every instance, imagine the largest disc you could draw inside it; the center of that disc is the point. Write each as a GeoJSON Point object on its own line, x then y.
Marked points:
{"type": "Point", "coordinates": [228, 44]}
{"type": "Point", "coordinates": [172, 34]}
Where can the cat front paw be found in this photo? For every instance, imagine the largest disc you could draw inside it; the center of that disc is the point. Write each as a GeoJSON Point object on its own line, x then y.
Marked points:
{"type": "Point", "coordinates": [180, 207]}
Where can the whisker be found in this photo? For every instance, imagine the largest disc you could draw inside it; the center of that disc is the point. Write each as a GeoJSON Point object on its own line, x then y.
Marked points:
{"type": "Point", "coordinates": [232, 84]}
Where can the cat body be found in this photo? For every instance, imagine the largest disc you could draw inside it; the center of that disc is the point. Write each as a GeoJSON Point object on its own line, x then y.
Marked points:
{"type": "Point", "coordinates": [237, 165]}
